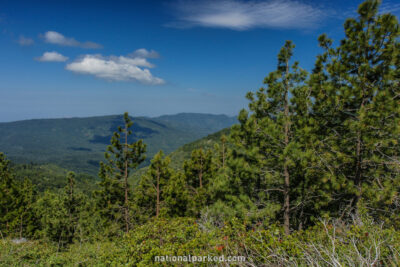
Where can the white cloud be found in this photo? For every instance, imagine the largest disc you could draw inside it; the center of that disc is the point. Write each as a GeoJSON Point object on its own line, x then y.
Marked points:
{"type": "Point", "coordinates": [241, 15]}
{"type": "Point", "coordinates": [52, 57]}
{"type": "Point", "coordinates": [115, 68]}
{"type": "Point", "coordinates": [144, 53]}
{"type": "Point", "coordinates": [53, 37]}
{"type": "Point", "coordinates": [24, 41]}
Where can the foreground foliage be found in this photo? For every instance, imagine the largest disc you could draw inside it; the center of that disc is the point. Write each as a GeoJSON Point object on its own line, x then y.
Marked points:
{"type": "Point", "coordinates": [328, 243]}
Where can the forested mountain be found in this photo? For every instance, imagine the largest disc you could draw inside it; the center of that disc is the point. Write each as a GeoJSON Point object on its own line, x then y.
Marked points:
{"type": "Point", "coordinates": [50, 176]}
{"type": "Point", "coordinates": [202, 123]}
{"type": "Point", "coordinates": [78, 144]}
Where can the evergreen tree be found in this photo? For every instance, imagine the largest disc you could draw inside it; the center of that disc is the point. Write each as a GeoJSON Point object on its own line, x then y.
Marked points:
{"type": "Point", "coordinates": [72, 202]}
{"type": "Point", "coordinates": [198, 171]}
{"type": "Point", "coordinates": [222, 152]}
{"type": "Point", "coordinates": [28, 223]}
{"type": "Point", "coordinates": [158, 191]}
{"type": "Point", "coordinates": [52, 218]}
{"type": "Point", "coordinates": [60, 213]}
{"type": "Point", "coordinates": [219, 186]}
{"type": "Point", "coordinates": [267, 139]}
{"type": "Point", "coordinates": [355, 88]}
{"type": "Point", "coordinates": [158, 175]}
{"type": "Point", "coordinates": [121, 157]}
{"type": "Point", "coordinates": [176, 196]}
{"type": "Point", "coordinates": [226, 201]}
{"type": "Point", "coordinates": [9, 198]}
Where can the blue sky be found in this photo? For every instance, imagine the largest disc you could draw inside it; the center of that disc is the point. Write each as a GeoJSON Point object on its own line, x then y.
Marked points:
{"type": "Point", "coordinates": [89, 58]}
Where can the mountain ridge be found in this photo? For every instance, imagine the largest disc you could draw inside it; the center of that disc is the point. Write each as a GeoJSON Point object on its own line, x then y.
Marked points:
{"type": "Point", "coordinates": [112, 115]}
{"type": "Point", "coordinates": [79, 143]}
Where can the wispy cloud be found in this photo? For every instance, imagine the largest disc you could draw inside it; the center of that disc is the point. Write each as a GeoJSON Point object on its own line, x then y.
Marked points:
{"type": "Point", "coordinates": [117, 68]}
{"type": "Point", "coordinates": [53, 37]}
{"type": "Point", "coordinates": [390, 7]}
{"type": "Point", "coordinates": [351, 10]}
{"type": "Point", "coordinates": [241, 15]}
{"type": "Point", "coordinates": [24, 41]}
{"type": "Point", "coordinates": [52, 57]}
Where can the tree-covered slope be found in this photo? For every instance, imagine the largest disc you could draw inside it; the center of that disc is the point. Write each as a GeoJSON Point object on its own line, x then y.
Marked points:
{"type": "Point", "coordinates": [52, 177]}
{"type": "Point", "coordinates": [184, 152]}
{"type": "Point", "coordinates": [79, 143]}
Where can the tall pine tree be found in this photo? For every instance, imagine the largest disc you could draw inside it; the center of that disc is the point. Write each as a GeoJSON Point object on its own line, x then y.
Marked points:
{"type": "Point", "coordinates": [355, 88]}
{"type": "Point", "coordinates": [122, 157]}
{"type": "Point", "coordinates": [198, 171]}
{"type": "Point", "coordinates": [267, 139]}
{"type": "Point", "coordinates": [157, 177]}
{"type": "Point", "coordinates": [9, 198]}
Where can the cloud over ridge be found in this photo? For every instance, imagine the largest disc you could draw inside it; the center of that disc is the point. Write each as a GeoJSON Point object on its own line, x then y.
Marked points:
{"type": "Point", "coordinates": [241, 15]}
{"type": "Point", "coordinates": [116, 68]}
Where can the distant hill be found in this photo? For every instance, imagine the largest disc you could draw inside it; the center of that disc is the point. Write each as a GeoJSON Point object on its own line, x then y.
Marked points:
{"type": "Point", "coordinates": [201, 123]}
{"type": "Point", "coordinates": [78, 144]}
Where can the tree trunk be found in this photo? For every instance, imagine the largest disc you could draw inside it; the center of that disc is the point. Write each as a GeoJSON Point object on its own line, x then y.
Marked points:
{"type": "Point", "coordinates": [358, 174]}
{"type": "Point", "coordinates": [223, 154]}
{"type": "Point", "coordinates": [71, 192]}
{"type": "Point", "coordinates": [20, 226]}
{"type": "Point", "coordinates": [158, 194]}
{"type": "Point", "coordinates": [201, 173]}
{"type": "Point", "coordinates": [357, 179]}
{"type": "Point", "coordinates": [126, 182]}
{"type": "Point", "coordinates": [286, 215]}
{"type": "Point", "coordinates": [302, 222]}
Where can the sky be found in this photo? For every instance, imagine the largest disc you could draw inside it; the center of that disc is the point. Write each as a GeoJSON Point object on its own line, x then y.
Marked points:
{"type": "Point", "coordinates": [150, 58]}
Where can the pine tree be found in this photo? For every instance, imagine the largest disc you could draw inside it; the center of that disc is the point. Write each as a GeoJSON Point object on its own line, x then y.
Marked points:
{"type": "Point", "coordinates": [159, 174]}
{"type": "Point", "coordinates": [176, 196]}
{"type": "Point", "coordinates": [198, 171]}
{"type": "Point", "coordinates": [222, 152]}
{"type": "Point", "coordinates": [152, 184]}
{"type": "Point", "coordinates": [60, 213]}
{"type": "Point", "coordinates": [356, 108]}
{"type": "Point", "coordinates": [267, 139]}
{"type": "Point", "coordinates": [219, 186]}
{"type": "Point", "coordinates": [72, 203]}
{"type": "Point", "coordinates": [9, 198]}
{"type": "Point", "coordinates": [27, 218]}
{"type": "Point", "coordinates": [121, 158]}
